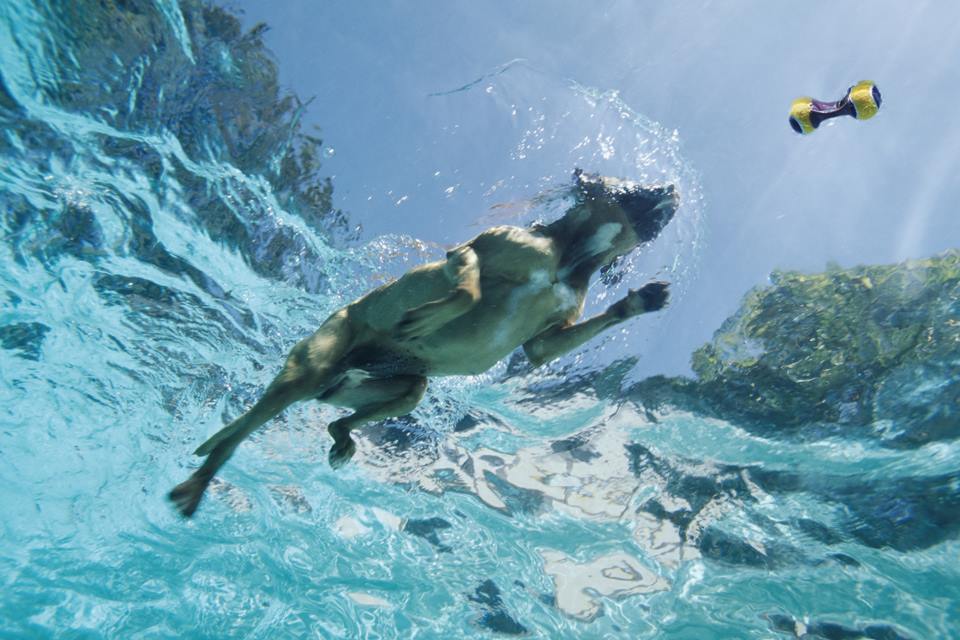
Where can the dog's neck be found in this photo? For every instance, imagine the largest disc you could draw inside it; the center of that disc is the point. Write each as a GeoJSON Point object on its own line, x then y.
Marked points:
{"type": "Point", "coordinates": [586, 245]}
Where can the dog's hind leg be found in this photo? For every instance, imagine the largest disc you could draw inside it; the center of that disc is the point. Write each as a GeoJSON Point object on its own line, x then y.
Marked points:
{"type": "Point", "coordinates": [462, 271]}
{"type": "Point", "coordinates": [310, 370]}
{"type": "Point", "coordinates": [382, 398]}
{"type": "Point", "coordinates": [218, 449]}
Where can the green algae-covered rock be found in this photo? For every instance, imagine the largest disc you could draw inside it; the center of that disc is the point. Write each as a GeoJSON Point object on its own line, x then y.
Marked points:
{"type": "Point", "coordinates": [188, 67]}
{"type": "Point", "coordinates": [875, 346]}
{"type": "Point", "coordinates": [173, 90]}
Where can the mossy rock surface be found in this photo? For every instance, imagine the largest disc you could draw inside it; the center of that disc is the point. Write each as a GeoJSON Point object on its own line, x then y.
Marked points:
{"type": "Point", "coordinates": [876, 347]}
{"type": "Point", "coordinates": [185, 70]}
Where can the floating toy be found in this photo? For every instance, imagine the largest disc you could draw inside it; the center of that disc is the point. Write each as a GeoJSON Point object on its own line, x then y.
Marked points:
{"type": "Point", "coordinates": [862, 102]}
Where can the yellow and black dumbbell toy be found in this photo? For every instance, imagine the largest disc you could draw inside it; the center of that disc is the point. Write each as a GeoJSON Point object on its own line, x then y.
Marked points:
{"type": "Point", "coordinates": [862, 102]}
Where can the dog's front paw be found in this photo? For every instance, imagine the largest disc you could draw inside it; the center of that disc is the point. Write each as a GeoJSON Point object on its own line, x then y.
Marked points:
{"type": "Point", "coordinates": [650, 297]}
{"type": "Point", "coordinates": [655, 295]}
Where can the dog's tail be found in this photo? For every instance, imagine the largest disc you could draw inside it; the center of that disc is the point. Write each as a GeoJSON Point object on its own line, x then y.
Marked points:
{"type": "Point", "coordinates": [186, 496]}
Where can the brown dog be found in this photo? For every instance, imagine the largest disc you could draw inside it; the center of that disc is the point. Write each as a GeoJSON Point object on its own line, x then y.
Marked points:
{"type": "Point", "coordinates": [506, 288]}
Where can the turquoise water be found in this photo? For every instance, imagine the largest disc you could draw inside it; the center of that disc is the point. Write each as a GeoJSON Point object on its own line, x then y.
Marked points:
{"type": "Point", "coordinates": [165, 244]}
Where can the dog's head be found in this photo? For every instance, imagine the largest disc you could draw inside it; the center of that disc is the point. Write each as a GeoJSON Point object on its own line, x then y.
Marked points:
{"type": "Point", "coordinates": [609, 219]}
{"type": "Point", "coordinates": [647, 209]}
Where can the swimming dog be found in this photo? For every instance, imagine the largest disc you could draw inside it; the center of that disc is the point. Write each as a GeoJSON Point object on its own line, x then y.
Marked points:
{"type": "Point", "coordinates": [508, 287]}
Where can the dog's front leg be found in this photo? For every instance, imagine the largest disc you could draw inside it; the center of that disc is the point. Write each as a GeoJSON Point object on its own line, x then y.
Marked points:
{"type": "Point", "coordinates": [558, 340]}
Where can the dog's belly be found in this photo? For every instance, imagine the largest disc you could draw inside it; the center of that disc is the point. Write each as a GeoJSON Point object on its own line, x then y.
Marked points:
{"type": "Point", "coordinates": [384, 361]}
{"type": "Point", "coordinates": [506, 316]}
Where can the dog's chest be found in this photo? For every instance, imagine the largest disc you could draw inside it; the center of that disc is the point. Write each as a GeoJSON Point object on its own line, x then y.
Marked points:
{"type": "Point", "coordinates": [540, 291]}
{"type": "Point", "coordinates": [528, 307]}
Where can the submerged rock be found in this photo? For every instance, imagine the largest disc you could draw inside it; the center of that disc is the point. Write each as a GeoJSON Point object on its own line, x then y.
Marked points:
{"type": "Point", "coordinates": [495, 616]}
{"type": "Point", "coordinates": [819, 629]}
{"type": "Point", "coordinates": [872, 350]}
{"type": "Point", "coordinates": [25, 339]}
{"type": "Point", "coordinates": [177, 96]}
{"type": "Point", "coordinates": [428, 529]}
